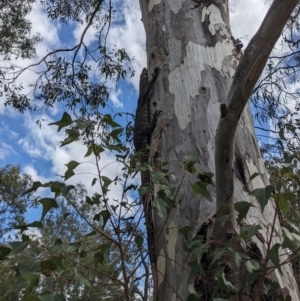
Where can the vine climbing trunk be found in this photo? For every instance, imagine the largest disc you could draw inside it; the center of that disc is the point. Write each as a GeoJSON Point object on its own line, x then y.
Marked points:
{"type": "Point", "coordinates": [191, 42]}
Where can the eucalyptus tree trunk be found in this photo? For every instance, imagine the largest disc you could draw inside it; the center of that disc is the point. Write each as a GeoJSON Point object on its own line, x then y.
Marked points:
{"type": "Point", "coordinates": [191, 42]}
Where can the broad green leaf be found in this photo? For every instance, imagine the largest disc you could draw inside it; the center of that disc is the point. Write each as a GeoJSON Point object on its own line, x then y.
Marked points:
{"type": "Point", "coordinates": [81, 280]}
{"type": "Point", "coordinates": [73, 135]}
{"type": "Point", "coordinates": [66, 120]}
{"type": "Point", "coordinates": [274, 256]}
{"type": "Point", "coordinates": [196, 269]}
{"type": "Point", "coordinates": [283, 200]}
{"type": "Point", "coordinates": [4, 251]}
{"type": "Point", "coordinates": [72, 247]}
{"type": "Point", "coordinates": [47, 267]}
{"type": "Point", "coordinates": [58, 245]}
{"type": "Point", "coordinates": [242, 208]}
{"type": "Point", "coordinates": [34, 187]}
{"type": "Point", "coordinates": [29, 265]}
{"type": "Point", "coordinates": [98, 258]}
{"type": "Point", "coordinates": [263, 195]}
{"type": "Point", "coordinates": [105, 216]}
{"type": "Point", "coordinates": [139, 241]}
{"type": "Point", "coordinates": [97, 150]}
{"type": "Point", "coordinates": [47, 203]}
{"type": "Point", "coordinates": [185, 231]}
{"type": "Point", "coordinates": [199, 251]}
{"type": "Point", "coordinates": [206, 177]}
{"type": "Point", "coordinates": [89, 201]}
{"type": "Point", "coordinates": [192, 158]}
{"type": "Point", "coordinates": [252, 265]}
{"type": "Point", "coordinates": [157, 175]}
{"type": "Point", "coordinates": [106, 182]}
{"type": "Point", "coordinates": [72, 164]}
{"type": "Point", "coordinates": [200, 188]}
{"type": "Point", "coordinates": [108, 120]}
{"type": "Point", "coordinates": [17, 247]}
{"type": "Point", "coordinates": [32, 280]}
{"type": "Point", "coordinates": [248, 231]}
{"type": "Point", "coordinates": [51, 296]}
{"type": "Point", "coordinates": [160, 205]}
{"type": "Point", "coordinates": [218, 253]}
{"type": "Point", "coordinates": [69, 174]}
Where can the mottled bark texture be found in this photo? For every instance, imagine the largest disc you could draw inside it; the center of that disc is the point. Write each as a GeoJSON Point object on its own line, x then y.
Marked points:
{"type": "Point", "coordinates": [191, 42]}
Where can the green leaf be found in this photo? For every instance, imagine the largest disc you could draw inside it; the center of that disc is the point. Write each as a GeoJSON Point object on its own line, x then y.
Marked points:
{"type": "Point", "coordinates": [263, 195]}
{"type": "Point", "coordinates": [73, 135]}
{"type": "Point", "coordinates": [242, 208]}
{"type": "Point", "coordinates": [65, 121]}
{"type": "Point", "coordinates": [47, 267]}
{"type": "Point", "coordinates": [51, 296]}
{"type": "Point", "coordinates": [4, 251]}
{"type": "Point", "coordinates": [58, 245]}
{"type": "Point", "coordinates": [160, 205]}
{"type": "Point", "coordinates": [105, 216]}
{"type": "Point", "coordinates": [252, 266]}
{"type": "Point", "coordinates": [34, 187]}
{"type": "Point", "coordinates": [72, 164]}
{"type": "Point", "coordinates": [200, 188]}
{"type": "Point", "coordinates": [206, 177]}
{"type": "Point", "coordinates": [81, 280]}
{"type": "Point", "coordinates": [248, 231]}
{"type": "Point", "coordinates": [157, 175]}
{"type": "Point", "coordinates": [98, 258]}
{"type": "Point", "coordinates": [106, 182]}
{"type": "Point", "coordinates": [47, 203]}
{"type": "Point", "coordinates": [274, 256]}
{"type": "Point", "coordinates": [73, 247]}
{"type": "Point", "coordinates": [195, 269]}
{"type": "Point", "coordinates": [94, 181]}
{"type": "Point", "coordinates": [108, 120]}
{"type": "Point", "coordinates": [199, 251]}
{"type": "Point", "coordinates": [32, 280]}
{"type": "Point", "coordinates": [139, 241]}
{"type": "Point", "coordinates": [89, 201]}
{"type": "Point", "coordinates": [17, 247]}
{"type": "Point", "coordinates": [283, 200]}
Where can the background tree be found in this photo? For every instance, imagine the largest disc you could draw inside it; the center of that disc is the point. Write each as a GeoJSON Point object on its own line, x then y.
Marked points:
{"type": "Point", "coordinates": [12, 204]}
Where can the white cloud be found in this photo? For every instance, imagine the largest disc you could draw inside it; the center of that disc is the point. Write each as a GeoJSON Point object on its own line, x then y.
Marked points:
{"type": "Point", "coordinates": [5, 150]}
{"type": "Point", "coordinates": [246, 17]}
{"type": "Point", "coordinates": [114, 97]}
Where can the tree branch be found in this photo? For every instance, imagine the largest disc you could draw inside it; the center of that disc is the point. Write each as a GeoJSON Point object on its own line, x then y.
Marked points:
{"type": "Point", "coordinates": [247, 74]}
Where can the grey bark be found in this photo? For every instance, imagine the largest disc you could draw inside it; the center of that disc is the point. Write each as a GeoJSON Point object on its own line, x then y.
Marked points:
{"type": "Point", "coordinates": [191, 42]}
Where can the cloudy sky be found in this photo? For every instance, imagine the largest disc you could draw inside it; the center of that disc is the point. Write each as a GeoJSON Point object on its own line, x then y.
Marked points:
{"type": "Point", "coordinates": [36, 149]}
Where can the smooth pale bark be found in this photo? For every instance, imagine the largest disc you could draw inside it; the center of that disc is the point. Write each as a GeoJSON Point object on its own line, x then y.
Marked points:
{"type": "Point", "coordinates": [192, 43]}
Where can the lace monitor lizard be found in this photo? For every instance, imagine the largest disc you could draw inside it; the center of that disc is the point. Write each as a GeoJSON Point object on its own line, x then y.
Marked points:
{"type": "Point", "coordinates": [142, 131]}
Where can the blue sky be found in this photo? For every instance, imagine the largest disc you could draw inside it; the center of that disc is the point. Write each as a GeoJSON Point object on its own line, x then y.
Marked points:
{"type": "Point", "coordinates": [36, 149]}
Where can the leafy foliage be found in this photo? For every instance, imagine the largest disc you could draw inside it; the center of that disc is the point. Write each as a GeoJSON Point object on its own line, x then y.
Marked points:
{"type": "Point", "coordinates": [12, 204]}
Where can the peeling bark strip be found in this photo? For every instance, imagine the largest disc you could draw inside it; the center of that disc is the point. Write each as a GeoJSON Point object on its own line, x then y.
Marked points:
{"type": "Point", "coordinates": [192, 43]}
